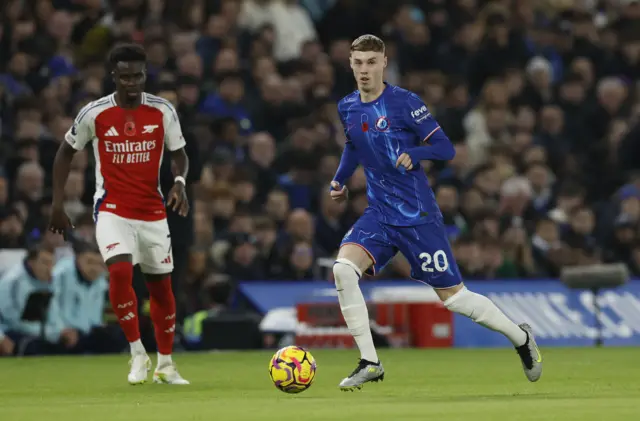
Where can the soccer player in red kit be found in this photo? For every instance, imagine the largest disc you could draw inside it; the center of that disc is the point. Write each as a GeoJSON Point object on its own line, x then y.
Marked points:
{"type": "Point", "coordinates": [128, 131]}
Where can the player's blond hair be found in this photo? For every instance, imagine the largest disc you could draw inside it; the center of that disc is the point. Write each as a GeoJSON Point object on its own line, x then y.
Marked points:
{"type": "Point", "coordinates": [368, 42]}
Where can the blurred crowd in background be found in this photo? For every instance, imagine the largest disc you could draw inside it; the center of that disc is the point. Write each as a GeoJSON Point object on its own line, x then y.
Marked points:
{"type": "Point", "coordinates": [540, 97]}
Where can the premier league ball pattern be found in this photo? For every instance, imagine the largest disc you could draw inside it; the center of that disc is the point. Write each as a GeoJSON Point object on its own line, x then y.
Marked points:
{"type": "Point", "coordinates": [292, 369]}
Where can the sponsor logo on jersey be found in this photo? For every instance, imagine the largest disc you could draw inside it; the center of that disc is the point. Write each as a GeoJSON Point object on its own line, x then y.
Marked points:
{"type": "Point", "coordinates": [74, 129]}
{"type": "Point", "coordinates": [129, 147]}
{"type": "Point", "coordinates": [129, 152]}
{"type": "Point", "coordinates": [420, 111]}
{"type": "Point", "coordinates": [382, 124]}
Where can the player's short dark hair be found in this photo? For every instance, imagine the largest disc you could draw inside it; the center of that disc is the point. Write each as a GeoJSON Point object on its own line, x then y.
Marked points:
{"type": "Point", "coordinates": [368, 42]}
{"type": "Point", "coordinates": [127, 53]}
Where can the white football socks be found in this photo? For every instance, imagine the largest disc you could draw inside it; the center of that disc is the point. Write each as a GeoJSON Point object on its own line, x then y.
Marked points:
{"type": "Point", "coordinates": [137, 348]}
{"type": "Point", "coordinates": [483, 311]}
{"type": "Point", "coordinates": [164, 360]}
{"type": "Point", "coordinates": [354, 308]}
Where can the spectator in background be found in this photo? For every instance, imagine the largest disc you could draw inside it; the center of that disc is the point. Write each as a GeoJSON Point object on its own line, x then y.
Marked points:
{"type": "Point", "coordinates": [330, 224]}
{"type": "Point", "coordinates": [546, 245]}
{"type": "Point", "coordinates": [12, 235]}
{"type": "Point", "coordinates": [541, 102]}
{"type": "Point", "coordinates": [266, 235]}
{"type": "Point", "coordinates": [243, 261]}
{"type": "Point", "coordinates": [80, 291]}
{"type": "Point", "coordinates": [17, 286]}
{"type": "Point", "coordinates": [447, 198]}
{"type": "Point", "coordinates": [7, 345]}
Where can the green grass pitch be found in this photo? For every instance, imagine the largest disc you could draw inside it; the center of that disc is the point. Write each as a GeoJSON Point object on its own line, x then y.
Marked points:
{"type": "Point", "coordinates": [444, 385]}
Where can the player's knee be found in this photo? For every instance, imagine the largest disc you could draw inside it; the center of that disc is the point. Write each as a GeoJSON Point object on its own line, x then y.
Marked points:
{"type": "Point", "coordinates": [446, 293]}
{"type": "Point", "coordinates": [468, 303]}
{"type": "Point", "coordinates": [121, 271]}
{"type": "Point", "coordinates": [356, 255]}
{"type": "Point", "coordinates": [345, 272]}
{"type": "Point", "coordinates": [120, 258]}
{"type": "Point", "coordinates": [458, 300]}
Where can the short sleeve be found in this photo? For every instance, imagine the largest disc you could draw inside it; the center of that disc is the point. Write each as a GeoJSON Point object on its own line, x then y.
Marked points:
{"type": "Point", "coordinates": [173, 137]}
{"type": "Point", "coordinates": [418, 118]}
{"type": "Point", "coordinates": [82, 131]}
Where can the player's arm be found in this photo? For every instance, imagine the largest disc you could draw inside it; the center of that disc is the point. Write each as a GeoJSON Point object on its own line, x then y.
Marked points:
{"type": "Point", "coordinates": [175, 142]}
{"type": "Point", "coordinates": [74, 140]}
{"type": "Point", "coordinates": [346, 168]}
{"type": "Point", "coordinates": [435, 145]}
{"type": "Point", "coordinates": [61, 169]}
{"type": "Point", "coordinates": [348, 163]}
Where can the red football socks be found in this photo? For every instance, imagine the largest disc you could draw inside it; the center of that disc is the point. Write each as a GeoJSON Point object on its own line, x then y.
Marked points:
{"type": "Point", "coordinates": [163, 313]}
{"type": "Point", "coordinates": [123, 299]}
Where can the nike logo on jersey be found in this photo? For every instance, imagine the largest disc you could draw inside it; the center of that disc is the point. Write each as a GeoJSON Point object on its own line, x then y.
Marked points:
{"type": "Point", "coordinates": [112, 132]}
{"type": "Point", "coordinates": [150, 128]}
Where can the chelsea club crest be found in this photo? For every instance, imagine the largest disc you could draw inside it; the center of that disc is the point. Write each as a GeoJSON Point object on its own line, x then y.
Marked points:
{"type": "Point", "coordinates": [382, 124]}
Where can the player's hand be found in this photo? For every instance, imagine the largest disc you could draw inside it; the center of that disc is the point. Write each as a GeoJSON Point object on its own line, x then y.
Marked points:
{"type": "Point", "coordinates": [178, 201]}
{"type": "Point", "coordinates": [59, 222]}
{"type": "Point", "coordinates": [7, 346]}
{"type": "Point", "coordinates": [405, 161]}
{"type": "Point", "coordinates": [69, 337]}
{"type": "Point", "coordinates": [339, 194]}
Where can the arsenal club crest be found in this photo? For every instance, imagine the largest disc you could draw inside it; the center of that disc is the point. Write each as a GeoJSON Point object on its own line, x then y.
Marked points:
{"type": "Point", "coordinates": [129, 127]}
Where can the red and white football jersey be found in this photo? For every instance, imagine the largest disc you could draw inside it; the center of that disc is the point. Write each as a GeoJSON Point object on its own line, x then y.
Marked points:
{"type": "Point", "coordinates": [128, 145]}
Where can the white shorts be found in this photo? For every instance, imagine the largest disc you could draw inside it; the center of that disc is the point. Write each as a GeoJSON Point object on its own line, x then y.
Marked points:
{"type": "Point", "coordinates": [148, 242]}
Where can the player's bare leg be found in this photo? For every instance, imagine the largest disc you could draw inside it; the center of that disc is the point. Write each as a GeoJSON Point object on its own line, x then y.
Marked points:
{"type": "Point", "coordinates": [125, 306]}
{"type": "Point", "coordinates": [163, 316]}
{"type": "Point", "coordinates": [352, 261]}
{"type": "Point", "coordinates": [483, 311]}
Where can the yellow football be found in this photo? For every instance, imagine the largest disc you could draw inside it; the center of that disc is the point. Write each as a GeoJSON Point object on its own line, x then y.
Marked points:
{"type": "Point", "coordinates": [292, 369]}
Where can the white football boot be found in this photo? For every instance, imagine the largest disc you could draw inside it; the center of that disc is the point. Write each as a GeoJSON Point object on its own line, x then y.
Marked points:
{"type": "Point", "coordinates": [140, 366]}
{"type": "Point", "coordinates": [366, 371]}
{"type": "Point", "coordinates": [168, 374]}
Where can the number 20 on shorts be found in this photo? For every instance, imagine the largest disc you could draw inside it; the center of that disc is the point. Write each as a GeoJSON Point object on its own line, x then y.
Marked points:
{"type": "Point", "coordinates": [439, 260]}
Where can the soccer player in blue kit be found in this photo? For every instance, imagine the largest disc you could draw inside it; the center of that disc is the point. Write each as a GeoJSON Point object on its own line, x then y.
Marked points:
{"type": "Point", "coordinates": [389, 131]}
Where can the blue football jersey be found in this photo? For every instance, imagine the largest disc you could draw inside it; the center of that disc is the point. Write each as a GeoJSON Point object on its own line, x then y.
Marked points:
{"type": "Point", "coordinates": [379, 132]}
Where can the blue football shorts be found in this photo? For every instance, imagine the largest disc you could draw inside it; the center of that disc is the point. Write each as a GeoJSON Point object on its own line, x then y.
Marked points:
{"type": "Point", "coordinates": [425, 246]}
